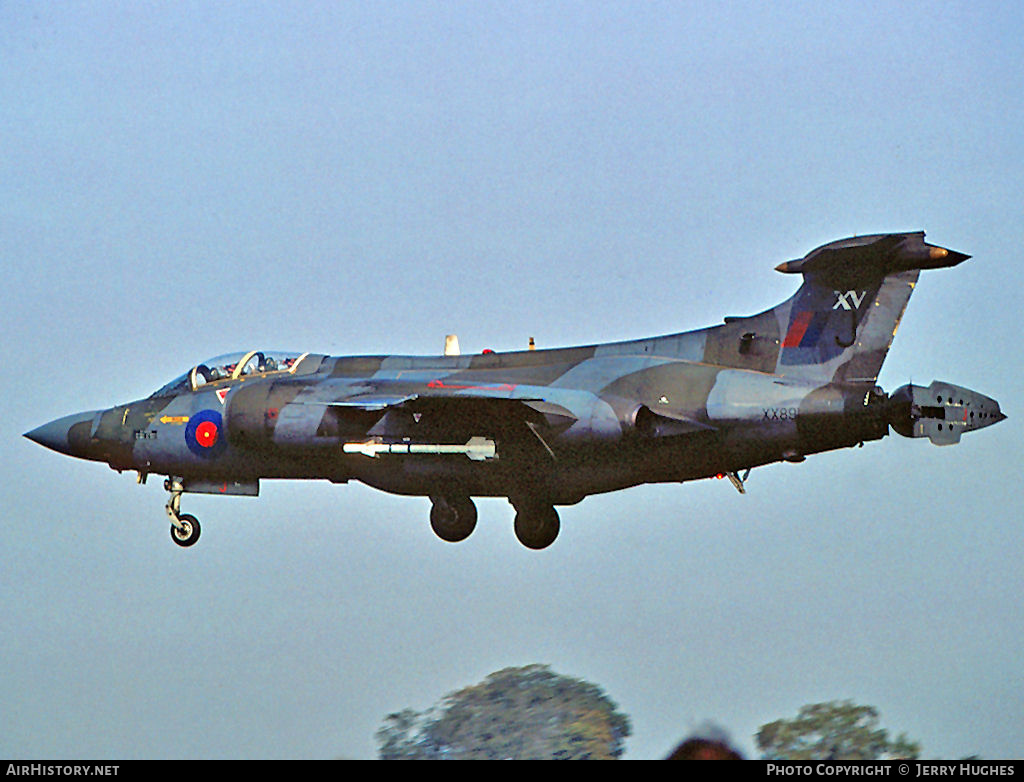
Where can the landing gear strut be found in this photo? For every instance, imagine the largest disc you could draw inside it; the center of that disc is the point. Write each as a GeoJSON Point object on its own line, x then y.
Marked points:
{"type": "Point", "coordinates": [452, 518]}
{"type": "Point", "coordinates": [536, 524]}
{"type": "Point", "coordinates": [184, 527]}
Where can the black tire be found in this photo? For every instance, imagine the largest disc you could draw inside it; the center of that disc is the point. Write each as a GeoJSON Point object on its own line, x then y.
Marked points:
{"type": "Point", "coordinates": [537, 525]}
{"type": "Point", "coordinates": [452, 518]}
{"type": "Point", "coordinates": [190, 534]}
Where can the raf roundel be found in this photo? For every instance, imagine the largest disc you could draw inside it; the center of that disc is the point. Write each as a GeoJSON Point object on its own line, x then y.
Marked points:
{"type": "Point", "coordinates": [204, 435]}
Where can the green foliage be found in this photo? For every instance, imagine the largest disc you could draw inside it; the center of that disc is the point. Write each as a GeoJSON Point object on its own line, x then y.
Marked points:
{"type": "Point", "coordinates": [398, 736]}
{"type": "Point", "coordinates": [516, 713]}
{"type": "Point", "coordinates": [839, 730]}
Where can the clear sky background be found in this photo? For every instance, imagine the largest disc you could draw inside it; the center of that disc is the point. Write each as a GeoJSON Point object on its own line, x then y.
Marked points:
{"type": "Point", "coordinates": [181, 180]}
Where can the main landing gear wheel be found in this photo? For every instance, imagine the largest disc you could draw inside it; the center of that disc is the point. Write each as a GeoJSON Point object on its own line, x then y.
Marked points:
{"type": "Point", "coordinates": [188, 533]}
{"type": "Point", "coordinates": [536, 525]}
{"type": "Point", "coordinates": [452, 518]}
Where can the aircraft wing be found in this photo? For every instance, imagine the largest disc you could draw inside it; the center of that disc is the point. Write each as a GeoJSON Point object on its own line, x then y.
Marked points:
{"type": "Point", "coordinates": [382, 402]}
{"type": "Point", "coordinates": [372, 413]}
{"type": "Point", "coordinates": [370, 401]}
{"type": "Point", "coordinates": [386, 395]}
{"type": "Point", "coordinates": [458, 408]}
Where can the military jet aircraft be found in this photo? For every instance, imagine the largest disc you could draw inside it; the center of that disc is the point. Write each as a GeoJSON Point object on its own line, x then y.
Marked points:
{"type": "Point", "coordinates": [550, 427]}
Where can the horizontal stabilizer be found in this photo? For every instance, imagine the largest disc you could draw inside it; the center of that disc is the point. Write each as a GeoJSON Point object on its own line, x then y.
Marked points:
{"type": "Point", "coordinates": [941, 412]}
{"type": "Point", "coordinates": [872, 257]}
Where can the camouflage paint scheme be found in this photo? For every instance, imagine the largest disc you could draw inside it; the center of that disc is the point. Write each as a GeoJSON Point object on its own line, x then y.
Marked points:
{"type": "Point", "coordinates": [550, 427]}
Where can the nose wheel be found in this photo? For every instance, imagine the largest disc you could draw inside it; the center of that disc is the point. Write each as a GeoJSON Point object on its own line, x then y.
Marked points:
{"type": "Point", "coordinates": [188, 532]}
{"type": "Point", "coordinates": [184, 526]}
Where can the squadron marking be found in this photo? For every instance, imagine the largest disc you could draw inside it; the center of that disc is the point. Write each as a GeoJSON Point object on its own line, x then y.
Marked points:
{"type": "Point", "coordinates": [845, 299]}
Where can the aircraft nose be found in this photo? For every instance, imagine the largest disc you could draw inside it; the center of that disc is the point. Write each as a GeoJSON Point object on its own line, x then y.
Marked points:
{"type": "Point", "coordinates": [58, 435]}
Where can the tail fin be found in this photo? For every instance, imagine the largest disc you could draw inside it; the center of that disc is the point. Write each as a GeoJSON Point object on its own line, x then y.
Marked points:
{"type": "Point", "coordinates": [840, 324]}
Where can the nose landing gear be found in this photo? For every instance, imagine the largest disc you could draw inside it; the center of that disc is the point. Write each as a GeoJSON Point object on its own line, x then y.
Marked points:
{"type": "Point", "coordinates": [184, 527]}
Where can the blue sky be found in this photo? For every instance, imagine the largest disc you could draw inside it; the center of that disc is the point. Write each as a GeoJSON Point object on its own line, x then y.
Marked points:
{"type": "Point", "coordinates": [181, 180]}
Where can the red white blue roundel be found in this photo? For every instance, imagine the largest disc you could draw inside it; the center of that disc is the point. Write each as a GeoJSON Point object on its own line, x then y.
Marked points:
{"type": "Point", "coordinates": [204, 434]}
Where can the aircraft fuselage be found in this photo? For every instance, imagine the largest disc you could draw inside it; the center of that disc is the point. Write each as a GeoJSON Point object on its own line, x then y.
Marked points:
{"type": "Point", "coordinates": [550, 427]}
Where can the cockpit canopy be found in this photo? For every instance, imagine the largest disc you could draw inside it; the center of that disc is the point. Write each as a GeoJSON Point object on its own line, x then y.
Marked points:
{"type": "Point", "coordinates": [234, 366]}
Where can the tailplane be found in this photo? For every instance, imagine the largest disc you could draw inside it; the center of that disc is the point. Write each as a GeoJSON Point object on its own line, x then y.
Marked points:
{"type": "Point", "coordinates": [840, 324]}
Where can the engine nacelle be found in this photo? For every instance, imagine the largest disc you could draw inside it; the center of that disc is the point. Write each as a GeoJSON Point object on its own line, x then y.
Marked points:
{"type": "Point", "coordinates": [254, 411]}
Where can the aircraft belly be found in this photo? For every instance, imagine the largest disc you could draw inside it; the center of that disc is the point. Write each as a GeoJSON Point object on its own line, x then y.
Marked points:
{"type": "Point", "coordinates": [574, 474]}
